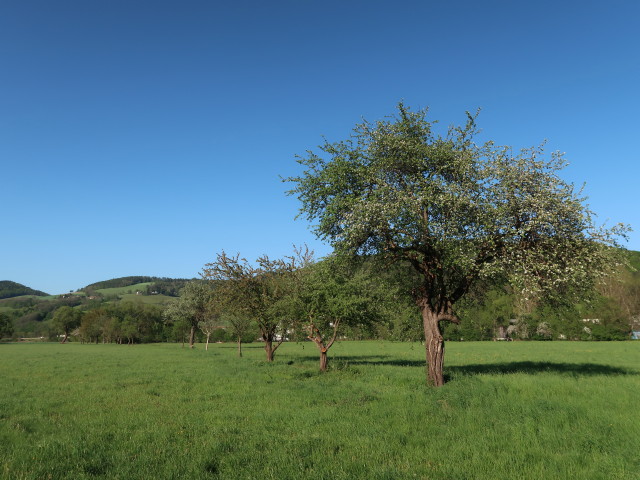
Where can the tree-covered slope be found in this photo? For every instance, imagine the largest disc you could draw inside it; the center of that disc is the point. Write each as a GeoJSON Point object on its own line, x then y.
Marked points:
{"type": "Point", "coordinates": [150, 285]}
{"type": "Point", "coordinates": [9, 289]}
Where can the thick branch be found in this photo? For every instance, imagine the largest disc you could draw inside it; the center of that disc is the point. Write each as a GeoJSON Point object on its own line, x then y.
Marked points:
{"type": "Point", "coordinates": [449, 317]}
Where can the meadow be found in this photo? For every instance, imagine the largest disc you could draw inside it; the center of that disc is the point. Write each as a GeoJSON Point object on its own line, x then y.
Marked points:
{"type": "Point", "coordinates": [517, 410]}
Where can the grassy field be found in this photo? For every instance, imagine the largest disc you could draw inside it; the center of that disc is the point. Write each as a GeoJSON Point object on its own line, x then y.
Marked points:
{"type": "Point", "coordinates": [130, 289]}
{"type": "Point", "coordinates": [147, 299]}
{"type": "Point", "coordinates": [518, 410]}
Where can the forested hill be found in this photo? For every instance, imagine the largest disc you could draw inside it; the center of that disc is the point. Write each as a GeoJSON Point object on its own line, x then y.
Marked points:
{"type": "Point", "coordinates": [156, 285]}
{"type": "Point", "coordinates": [121, 282]}
{"type": "Point", "coordinates": [10, 289]}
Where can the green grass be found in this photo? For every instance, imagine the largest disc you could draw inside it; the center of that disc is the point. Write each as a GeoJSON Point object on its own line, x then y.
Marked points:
{"type": "Point", "coordinates": [130, 289]}
{"type": "Point", "coordinates": [518, 410]}
{"type": "Point", "coordinates": [147, 299]}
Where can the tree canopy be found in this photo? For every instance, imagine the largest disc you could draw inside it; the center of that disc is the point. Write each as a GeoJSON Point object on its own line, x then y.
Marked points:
{"type": "Point", "coordinates": [257, 291]}
{"type": "Point", "coordinates": [455, 212]}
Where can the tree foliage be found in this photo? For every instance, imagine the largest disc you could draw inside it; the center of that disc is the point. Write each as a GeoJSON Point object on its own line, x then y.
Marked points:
{"type": "Point", "coordinates": [6, 325]}
{"type": "Point", "coordinates": [10, 289]}
{"type": "Point", "coordinates": [328, 295]}
{"type": "Point", "coordinates": [195, 306]}
{"type": "Point", "coordinates": [257, 291]}
{"type": "Point", "coordinates": [65, 320]}
{"type": "Point", "coordinates": [457, 212]}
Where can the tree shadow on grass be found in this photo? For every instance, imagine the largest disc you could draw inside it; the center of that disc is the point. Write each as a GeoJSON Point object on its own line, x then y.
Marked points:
{"type": "Point", "coordinates": [234, 346]}
{"type": "Point", "coordinates": [532, 368]}
{"type": "Point", "coordinates": [504, 368]}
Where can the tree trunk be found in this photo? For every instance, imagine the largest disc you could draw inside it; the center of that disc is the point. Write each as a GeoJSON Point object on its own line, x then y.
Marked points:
{"type": "Point", "coordinates": [268, 347]}
{"type": "Point", "coordinates": [316, 337]}
{"type": "Point", "coordinates": [434, 345]}
{"type": "Point", "coordinates": [206, 347]}
{"type": "Point", "coordinates": [323, 360]}
{"type": "Point", "coordinates": [239, 346]}
{"type": "Point", "coordinates": [64, 339]}
{"type": "Point", "coordinates": [192, 336]}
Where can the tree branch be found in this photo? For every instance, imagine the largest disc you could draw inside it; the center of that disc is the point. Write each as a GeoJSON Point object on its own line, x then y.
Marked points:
{"type": "Point", "coordinates": [335, 334]}
{"type": "Point", "coordinates": [449, 317]}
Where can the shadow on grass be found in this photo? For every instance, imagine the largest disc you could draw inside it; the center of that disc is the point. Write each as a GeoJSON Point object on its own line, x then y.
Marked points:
{"type": "Point", "coordinates": [571, 369]}
{"type": "Point", "coordinates": [234, 346]}
{"type": "Point", "coordinates": [505, 368]}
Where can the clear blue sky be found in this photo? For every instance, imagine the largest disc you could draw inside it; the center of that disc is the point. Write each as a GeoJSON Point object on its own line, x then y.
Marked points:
{"type": "Point", "coordinates": [141, 138]}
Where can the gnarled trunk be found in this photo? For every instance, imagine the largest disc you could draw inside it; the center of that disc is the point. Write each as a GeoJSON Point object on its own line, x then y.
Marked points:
{"type": "Point", "coordinates": [434, 345]}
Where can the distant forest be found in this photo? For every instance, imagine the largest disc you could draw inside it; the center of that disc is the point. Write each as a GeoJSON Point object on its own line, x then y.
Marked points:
{"type": "Point", "coordinates": [10, 289]}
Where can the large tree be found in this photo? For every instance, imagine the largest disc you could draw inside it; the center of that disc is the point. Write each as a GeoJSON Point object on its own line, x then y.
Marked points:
{"type": "Point", "coordinates": [455, 212]}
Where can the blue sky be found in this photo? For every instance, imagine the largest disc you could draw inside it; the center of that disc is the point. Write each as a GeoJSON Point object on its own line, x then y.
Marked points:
{"type": "Point", "coordinates": [141, 138]}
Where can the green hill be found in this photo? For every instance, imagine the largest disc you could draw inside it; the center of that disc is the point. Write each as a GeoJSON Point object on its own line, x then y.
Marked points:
{"type": "Point", "coordinates": [146, 285]}
{"type": "Point", "coordinates": [9, 289]}
{"type": "Point", "coordinates": [120, 282]}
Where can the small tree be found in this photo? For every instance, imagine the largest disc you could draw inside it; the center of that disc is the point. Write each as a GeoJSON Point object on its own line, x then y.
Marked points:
{"type": "Point", "coordinates": [6, 325]}
{"type": "Point", "coordinates": [329, 294]}
{"type": "Point", "coordinates": [239, 325]}
{"type": "Point", "coordinates": [211, 322]}
{"type": "Point", "coordinates": [254, 291]}
{"type": "Point", "coordinates": [191, 308]}
{"type": "Point", "coordinates": [65, 319]}
{"type": "Point", "coordinates": [177, 318]}
{"type": "Point", "coordinates": [455, 213]}
{"type": "Point", "coordinates": [92, 324]}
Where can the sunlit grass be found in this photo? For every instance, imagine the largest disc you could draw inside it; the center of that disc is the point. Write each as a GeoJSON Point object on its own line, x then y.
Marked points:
{"type": "Point", "coordinates": [510, 410]}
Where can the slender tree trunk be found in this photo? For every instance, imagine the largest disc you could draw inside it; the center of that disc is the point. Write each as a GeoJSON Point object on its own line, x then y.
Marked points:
{"type": "Point", "coordinates": [434, 345]}
{"type": "Point", "coordinates": [206, 347]}
{"type": "Point", "coordinates": [192, 336]}
{"type": "Point", "coordinates": [64, 339]}
{"type": "Point", "coordinates": [239, 346]}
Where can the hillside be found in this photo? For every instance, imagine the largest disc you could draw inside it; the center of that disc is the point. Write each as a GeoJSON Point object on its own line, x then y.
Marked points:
{"type": "Point", "coordinates": [120, 282]}
{"type": "Point", "coordinates": [9, 289]}
{"type": "Point", "coordinates": [145, 285]}
{"type": "Point", "coordinates": [30, 312]}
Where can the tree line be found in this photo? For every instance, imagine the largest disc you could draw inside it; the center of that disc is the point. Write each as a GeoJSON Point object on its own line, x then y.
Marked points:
{"type": "Point", "coordinates": [10, 289]}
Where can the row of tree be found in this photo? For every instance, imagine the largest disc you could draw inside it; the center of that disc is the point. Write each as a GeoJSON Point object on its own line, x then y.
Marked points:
{"type": "Point", "coordinates": [293, 298]}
